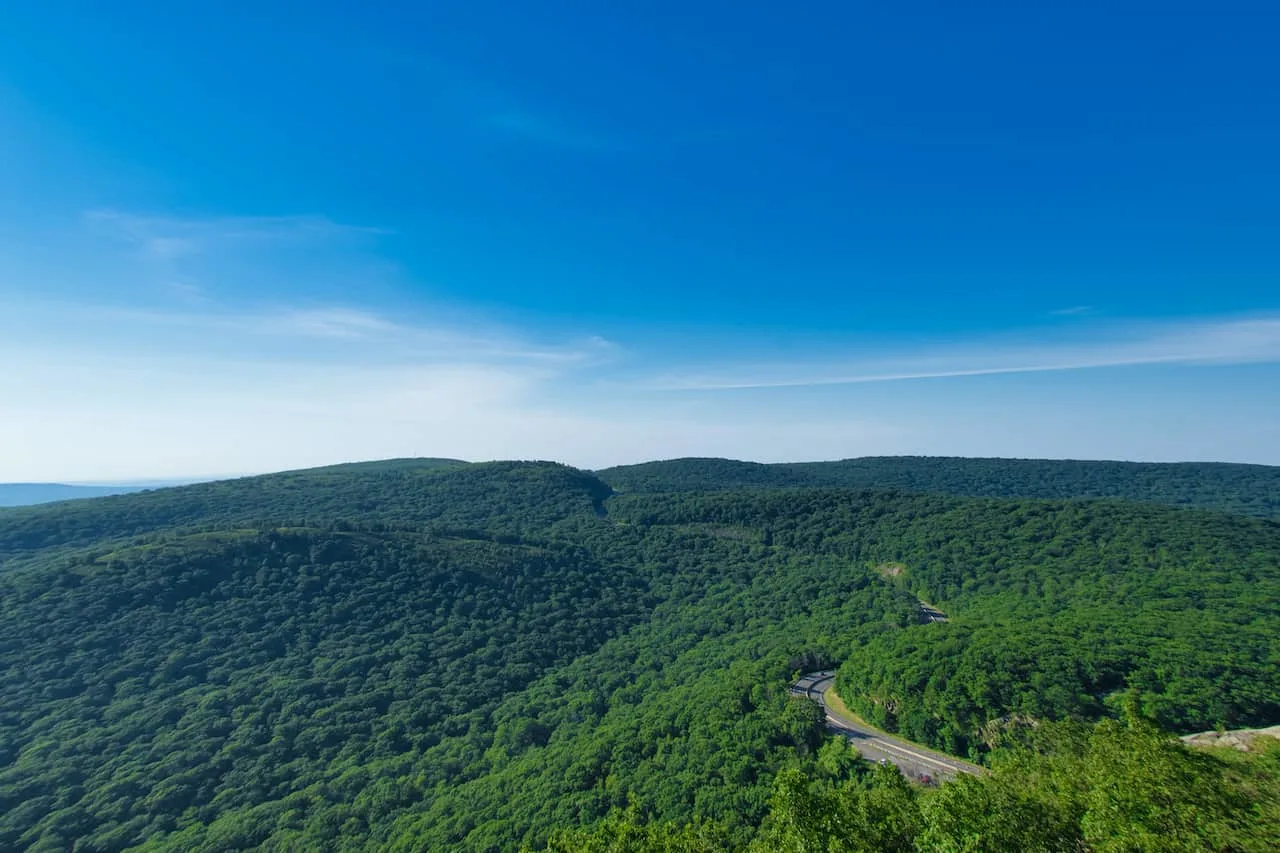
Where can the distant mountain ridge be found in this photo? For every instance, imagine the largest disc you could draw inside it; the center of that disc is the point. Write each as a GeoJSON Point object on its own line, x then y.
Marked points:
{"type": "Point", "coordinates": [1240, 489]}
{"type": "Point", "coordinates": [28, 494]}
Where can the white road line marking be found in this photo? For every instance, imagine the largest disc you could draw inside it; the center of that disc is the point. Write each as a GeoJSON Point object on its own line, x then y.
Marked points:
{"type": "Point", "coordinates": [874, 741]}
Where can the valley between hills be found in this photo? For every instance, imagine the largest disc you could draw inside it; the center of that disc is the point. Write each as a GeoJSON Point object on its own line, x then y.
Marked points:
{"type": "Point", "coordinates": [427, 654]}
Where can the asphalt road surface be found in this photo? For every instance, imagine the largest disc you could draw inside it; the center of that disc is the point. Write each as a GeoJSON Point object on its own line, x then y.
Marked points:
{"type": "Point", "coordinates": [931, 613]}
{"type": "Point", "coordinates": [915, 762]}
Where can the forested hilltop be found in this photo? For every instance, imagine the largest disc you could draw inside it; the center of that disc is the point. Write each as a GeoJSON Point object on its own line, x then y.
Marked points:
{"type": "Point", "coordinates": [434, 655]}
{"type": "Point", "coordinates": [1242, 489]}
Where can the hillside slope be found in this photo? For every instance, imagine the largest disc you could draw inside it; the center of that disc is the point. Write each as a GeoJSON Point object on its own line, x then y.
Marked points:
{"type": "Point", "coordinates": [1053, 606]}
{"type": "Point", "coordinates": [507, 497]}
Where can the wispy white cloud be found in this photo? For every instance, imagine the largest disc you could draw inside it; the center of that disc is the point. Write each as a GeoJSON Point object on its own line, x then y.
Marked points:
{"type": "Point", "coordinates": [188, 291]}
{"type": "Point", "coordinates": [1073, 311]}
{"type": "Point", "coordinates": [330, 333]}
{"type": "Point", "coordinates": [1222, 341]}
{"type": "Point", "coordinates": [173, 236]}
{"type": "Point", "coordinates": [272, 287]}
{"type": "Point", "coordinates": [543, 130]}
{"type": "Point", "coordinates": [467, 99]}
{"type": "Point", "coordinates": [171, 245]}
{"type": "Point", "coordinates": [196, 259]}
{"type": "Point", "coordinates": [344, 323]}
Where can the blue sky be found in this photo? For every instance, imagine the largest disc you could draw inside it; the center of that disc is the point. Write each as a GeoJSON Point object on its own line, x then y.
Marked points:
{"type": "Point", "coordinates": [258, 236]}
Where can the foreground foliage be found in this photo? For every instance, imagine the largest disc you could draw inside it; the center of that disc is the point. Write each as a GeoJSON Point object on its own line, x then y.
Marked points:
{"type": "Point", "coordinates": [1112, 788]}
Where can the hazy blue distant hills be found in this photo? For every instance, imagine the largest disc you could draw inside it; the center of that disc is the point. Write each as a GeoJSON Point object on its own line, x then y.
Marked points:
{"type": "Point", "coordinates": [26, 494]}
{"type": "Point", "coordinates": [1241, 489]}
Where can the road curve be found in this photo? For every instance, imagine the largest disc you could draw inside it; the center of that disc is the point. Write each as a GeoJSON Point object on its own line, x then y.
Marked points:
{"type": "Point", "coordinates": [914, 761]}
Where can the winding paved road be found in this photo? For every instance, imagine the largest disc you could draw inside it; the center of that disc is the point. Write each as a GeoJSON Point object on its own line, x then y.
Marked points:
{"type": "Point", "coordinates": [914, 761]}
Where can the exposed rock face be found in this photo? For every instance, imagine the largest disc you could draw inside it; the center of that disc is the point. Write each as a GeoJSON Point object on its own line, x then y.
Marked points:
{"type": "Point", "coordinates": [1246, 740]}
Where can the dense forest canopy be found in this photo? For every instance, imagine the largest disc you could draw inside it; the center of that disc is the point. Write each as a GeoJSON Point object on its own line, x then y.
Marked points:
{"type": "Point", "coordinates": [427, 655]}
{"type": "Point", "coordinates": [1054, 606]}
{"type": "Point", "coordinates": [1242, 489]}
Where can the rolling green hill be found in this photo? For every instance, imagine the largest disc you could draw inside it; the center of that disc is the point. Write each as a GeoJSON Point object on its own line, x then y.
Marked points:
{"type": "Point", "coordinates": [505, 497]}
{"type": "Point", "coordinates": [432, 655]}
{"type": "Point", "coordinates": [1242, 489]}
